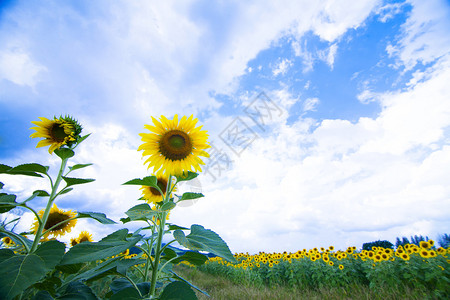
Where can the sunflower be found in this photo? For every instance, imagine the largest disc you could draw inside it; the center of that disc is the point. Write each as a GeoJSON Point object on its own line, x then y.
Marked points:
{"type": "Point", "coordinates": [85, 237]}
{"type": "Point", "coordinates": [174, 146]}
{"type": "Point", "coordinates": [55, 217]}
{"type": "Point", "coordinates": [152, 195]}
{"type": "Point", "coordinates": [56, 133]}
{"type": "Point", "coordinates": [8, 241]}
{"type": "Point", "coordinates": [424, 244]}
{"type": "Point", "coordinates": [341, 267]}
{"type": "Point", "coordinates": [73, 242]}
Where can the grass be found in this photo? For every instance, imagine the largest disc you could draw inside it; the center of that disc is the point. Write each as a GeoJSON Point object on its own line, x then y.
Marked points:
{"type": "Point", "coordinates": [220, 287]}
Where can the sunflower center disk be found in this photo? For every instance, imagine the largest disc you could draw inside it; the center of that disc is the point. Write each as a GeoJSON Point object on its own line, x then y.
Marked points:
{"type": "Point", "coordinates": [55, 218]}
{"type": "Point", "coordinates": [175, 145]}
{"type": "Point", "coordinates": [58, 133]}
{"type": "Point", "coordinates": [162, 184]}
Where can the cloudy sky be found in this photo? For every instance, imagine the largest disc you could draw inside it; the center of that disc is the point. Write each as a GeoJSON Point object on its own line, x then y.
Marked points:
{"type": "Point", "coordinates": [329, 120]}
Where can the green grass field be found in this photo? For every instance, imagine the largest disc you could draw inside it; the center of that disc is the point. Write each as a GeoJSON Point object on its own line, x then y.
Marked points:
{"type": "Point", "coordinates": [220, 287]}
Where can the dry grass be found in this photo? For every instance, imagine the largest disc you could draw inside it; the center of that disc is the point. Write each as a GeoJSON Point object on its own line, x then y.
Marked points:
{"type": "Point", "coordinates": [219, 287]}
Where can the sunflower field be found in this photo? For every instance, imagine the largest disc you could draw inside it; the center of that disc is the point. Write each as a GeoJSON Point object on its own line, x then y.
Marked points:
{"type": "Point", "coordinates": [422, 268]}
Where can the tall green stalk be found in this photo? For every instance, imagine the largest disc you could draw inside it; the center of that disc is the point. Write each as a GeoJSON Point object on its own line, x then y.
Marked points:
{"type": "Point", "coordinates": [49, 205]}
{"type": "Point", "coordinates": [162, 225]}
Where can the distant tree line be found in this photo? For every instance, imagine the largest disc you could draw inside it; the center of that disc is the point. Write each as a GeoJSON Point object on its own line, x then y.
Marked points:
{"type": "Point", "coordinates": [443, 241]}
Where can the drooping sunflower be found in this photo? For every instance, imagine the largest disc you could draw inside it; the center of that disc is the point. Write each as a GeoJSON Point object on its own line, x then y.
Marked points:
{"type": "Point", "coordinates": [152, 195]}
{"type": "Point", "coordinates": [55, 217]}
{"type": "Point", "coordinates": [8, 241]}
{"type": "Point", "coordinates": [85, 236]}
{"type": "Point", "coordinates": [174, 146]}
{"type": "Point", "coordinates": [57, 132]}
{"type": "Point", "coordinates": [73, 242]}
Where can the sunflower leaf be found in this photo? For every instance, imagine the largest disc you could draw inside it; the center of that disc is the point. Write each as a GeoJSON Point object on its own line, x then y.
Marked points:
{"type": "Point", "coordinates": [190, 196]}
{"type": "Point", "coordinates": [111, 245]}
{"type": "Point", "coordinates": [178, 290]}
{"type": "Point", "coordinates": [167, 206]}
{"type": "Point", "coordinates": [201, 239]}
{"type": "Point", "coordinates": [147, 181]}
{"type": "Point", "coordinates": [101, 217]}
{"type": "Point", "coordinates": [18, 273]}
{"type": "Point", "coordinates": [174, 227]}
{"type": "Point", "coordinates": [51, 253]}
{"type": "Point", "coordinates": [64, 153]}
{"type": "Point", "coordinates": [83, 138]}
{"type": "Point", "coordinates": [41, 193]}
{"type": "Point", "coordinates": [190, 175]}
{"type": "Point", "coordinates": [65, 191]}
{"type": "Point", "coordinates": [194, 258]}
{"type": "Point", "coordinates": [73, 181]}
{"type": "Point", "coordinates": [25, 169]}
{"type": "Point", "coordinates": [77, 290]}
{"type": "Point", "coordinates": [79, 166]}
{"type": "Point", "coordinates": [140, 212]}
{"type": "Point", "coordinates": [7, 202]}
{"type": "Point", "coordinates": [33, 168]}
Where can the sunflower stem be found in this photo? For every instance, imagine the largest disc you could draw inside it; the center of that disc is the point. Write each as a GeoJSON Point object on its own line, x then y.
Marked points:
{"type": "Point", "coordinates": [162, 224]}
{"type": "Point", "coordinates": [49, 205]}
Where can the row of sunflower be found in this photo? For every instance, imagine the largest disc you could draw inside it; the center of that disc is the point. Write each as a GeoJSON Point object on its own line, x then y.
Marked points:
{"type": "Point", "coordinates": [36, 265]}
{"type": "Point", "coordinates": [413, 266]}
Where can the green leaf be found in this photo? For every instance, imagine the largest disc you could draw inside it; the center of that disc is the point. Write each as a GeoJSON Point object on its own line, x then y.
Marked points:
{"type": "Point", "coordinates": [167, 206]}
{"type": "Point", "coordinates": [186, 177]}
{"type": "Point", "coordinates": [201, 239]}
{"type": "Point", "coordinates": [5, 254]}
{"type": "Point", "coordinates": [190, 196]}
{"type": "Point", "coordinates": [121, 284]}
{"type": "Point", "coordinates": [65, 191]}
{"type": "Point", "coordinates": [141, 212]}
{"type": "Point", "coordinates": [41, 193]}
{"type": "Point", "coordinates": [51, 253]}
{"type": "Point", "coordinates": [113, 244]}
{"type": "Point", "coordinates": [49, 284]}
{"type": "Point", "coordinates": [129, 293]}
{"type": "Point", "coordinates": [101, 217]}
{"type": "Point", "coordinates": [43, 295]}
{"type": "Point", "coordinates": [1, 184]}
{"type": "Point", "coordinates": [77, 290]}
{"type": "Point", "coordinates": [7, 202]}
{"type": "Point", "coordinates": [70, 269]}
{"type": "Point", "coordinates": [4, 169]}
{"type": "Point", "coordinates": [194, 258]}
{"type": "Point", "coordinates": [178, 290]}
{"type": "Point", "coordinates": [73, 181]}
{"type": "Point", "coordinates": [83, 138]}
{"type": "Point", "coordinates": [79, 166]}
{"type": "Point", "coordinates": [175, 227]}
{"type": "Point", "coordinates": [28, 168]}
{"type": "Point", "coordinates": [18, 273]}
{"type": "Point", "coordinates": [147, 181]}
{"type": "Point", "coordinates": [114, 266]}
{"type": "Point", "coordinates": [64, 153]}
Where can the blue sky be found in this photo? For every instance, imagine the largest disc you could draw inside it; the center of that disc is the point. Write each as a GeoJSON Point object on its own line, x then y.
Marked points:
{"type": "Point", "coordinates": [351, 144]}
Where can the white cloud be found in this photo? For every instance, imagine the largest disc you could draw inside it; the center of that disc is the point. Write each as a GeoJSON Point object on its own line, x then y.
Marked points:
{"type": "Point", "coordinates": [310, 104]}
{"type": "Point", "coordinates": [18, 67]}
{"type": "Point", "coordinates": [425, 37]}
{"type": "Point", "coordinates": [282, 67]}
